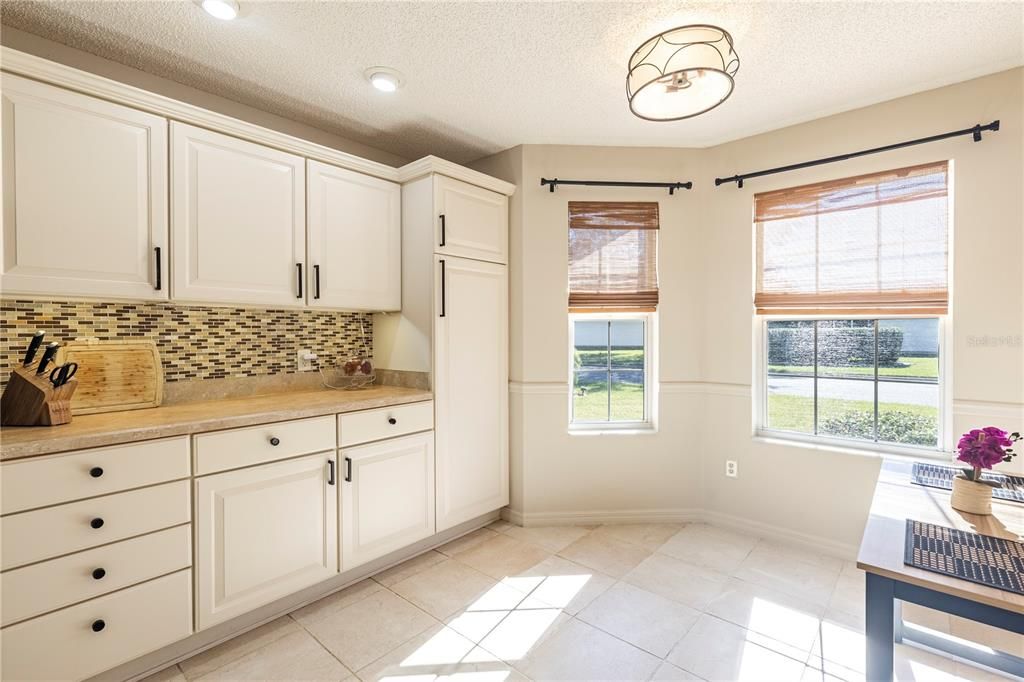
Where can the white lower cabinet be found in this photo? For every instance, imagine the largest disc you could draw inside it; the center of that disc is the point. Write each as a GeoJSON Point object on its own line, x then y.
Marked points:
{"type": "Point", "coordinates": [263, 533]}
{"type": "Point", "coordinates": [387, 497]}
{"type": "Point", "coordinates": [82, 640]}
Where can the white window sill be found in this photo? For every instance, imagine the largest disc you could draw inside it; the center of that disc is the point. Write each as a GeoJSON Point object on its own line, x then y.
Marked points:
{"type": "Point", "coordinates": [894, 452]}
{"type": "Point", "coordinates": [628, 429]}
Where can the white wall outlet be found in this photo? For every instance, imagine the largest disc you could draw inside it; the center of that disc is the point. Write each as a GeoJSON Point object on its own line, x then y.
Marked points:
{"type": "Point", "coordinates": [731, 468]}
{"type": "Point", "coordinates": [304, 360]}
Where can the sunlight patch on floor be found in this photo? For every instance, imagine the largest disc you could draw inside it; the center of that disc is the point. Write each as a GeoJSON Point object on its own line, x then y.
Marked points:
{"type": "Point", "coordinates": [508, 620]}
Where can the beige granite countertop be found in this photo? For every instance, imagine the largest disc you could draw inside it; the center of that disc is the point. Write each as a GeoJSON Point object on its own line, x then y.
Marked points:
{"type": "Point", "coordinates": [113, 428]}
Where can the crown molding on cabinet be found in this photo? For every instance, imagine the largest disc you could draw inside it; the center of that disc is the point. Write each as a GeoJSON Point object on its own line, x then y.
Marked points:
{"type": "Point", "coordinates": [37, 68]}
{"type": "Point", "coordinates": [40, 69]}
{"type": "Point", "coordinates": [433, 164]}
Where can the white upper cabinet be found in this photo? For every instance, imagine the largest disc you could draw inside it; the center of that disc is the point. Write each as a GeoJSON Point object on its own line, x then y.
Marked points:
{"type": "Point", "coordinates": [355, 232]}
{"type": "Point", "coordinates": [471, 222]}
{"type": "Point", "coordinates": [238, 220]}
{"type": "Point", "coordinates": [470, 389]}
{"type": "Point", "coordinates": [84, 195]}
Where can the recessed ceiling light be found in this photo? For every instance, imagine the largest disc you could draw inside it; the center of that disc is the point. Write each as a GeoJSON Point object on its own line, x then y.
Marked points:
{"type": "Point", "coordinates": [383, 78]}
{"type": "Point", "coordinates": [222, 9]}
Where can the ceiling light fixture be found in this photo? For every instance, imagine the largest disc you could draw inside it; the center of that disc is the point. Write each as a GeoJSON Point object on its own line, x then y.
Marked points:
{"type": "Point", "coordinates": [221, 9]}
{"type": "Point", "coordinates": [681, 73]}
{"type": "Point", "coordinates": [383, 78]}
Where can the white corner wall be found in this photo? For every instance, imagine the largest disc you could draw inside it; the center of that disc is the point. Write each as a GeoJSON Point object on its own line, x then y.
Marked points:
{"type": "Point", "coordinates": [705, 340]}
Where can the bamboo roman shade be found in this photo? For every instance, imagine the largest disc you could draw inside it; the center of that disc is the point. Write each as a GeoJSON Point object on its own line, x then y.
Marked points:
{"type": "Point", "coordinates": [872, 244]}
{"type": "Point", "coordinates": [613, 255]}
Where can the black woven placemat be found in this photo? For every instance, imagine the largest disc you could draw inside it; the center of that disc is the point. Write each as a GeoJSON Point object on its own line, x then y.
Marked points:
{"type": "Point", "coordinates": [981, 559]}
{"type": "Point", "coordinates": [941, 476]}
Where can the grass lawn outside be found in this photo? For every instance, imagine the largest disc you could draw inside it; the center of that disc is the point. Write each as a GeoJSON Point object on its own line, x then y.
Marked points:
{"type": "Point", "coordinates": [590, 399]}
{"type": "Point", "coordinates": [796, 413]}
{"type": "Point", "coordinates": [924, 368]}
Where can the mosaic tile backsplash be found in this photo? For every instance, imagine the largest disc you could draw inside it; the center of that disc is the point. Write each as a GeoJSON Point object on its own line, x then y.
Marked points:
{"type": "Point", "coordinates": [195, 342]}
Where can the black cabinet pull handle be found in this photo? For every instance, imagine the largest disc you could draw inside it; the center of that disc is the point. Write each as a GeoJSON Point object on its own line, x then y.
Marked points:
{"type": "Point", "coordinates": [96, 523]}
{"type": "Point", "coordinates": [98, 625]}
{"type": "Point", "coordinates": [298, 266]}
{"type": "Point", "coordinates": [96, 472]}
{"type": "Point", "coordinates": [316, 281]}
{"type": "Point", "coordinates": [444, 237]}
{"type": "Point", "coordinates": [330, 472]}
{"type": "Point", "coordinates": [348, 469]}
{"type": "Point", "coordinates": [275, 441]}
{"type": "Point", "coordinates": [159, 282]}
{"type": "Point", "coordinates": [392, 421]}
{"type": "Point", "coordinates": [98, 574]}
{"type": "Point", "coordinates": [443, 295]}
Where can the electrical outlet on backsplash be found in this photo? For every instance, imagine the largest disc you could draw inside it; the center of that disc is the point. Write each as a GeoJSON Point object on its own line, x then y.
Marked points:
{"type": "Point", "coordinates": [195, 342]}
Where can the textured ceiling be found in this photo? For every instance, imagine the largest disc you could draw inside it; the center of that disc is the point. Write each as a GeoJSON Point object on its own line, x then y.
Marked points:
{"type": "Point", "coordinates": [481, 77]}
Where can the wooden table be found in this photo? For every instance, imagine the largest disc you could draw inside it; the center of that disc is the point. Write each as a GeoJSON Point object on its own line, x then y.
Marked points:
{"type": "Point", "coordinates": [890, 581]}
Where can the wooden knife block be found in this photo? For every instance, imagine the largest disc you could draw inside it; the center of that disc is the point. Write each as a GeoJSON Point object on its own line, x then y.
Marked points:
{"type": "Point", "coordinates": [31, 400]}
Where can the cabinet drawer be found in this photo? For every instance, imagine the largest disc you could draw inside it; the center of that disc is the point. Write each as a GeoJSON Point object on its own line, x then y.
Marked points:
{"type": "Point", "coordinates": [45, 533]}
{"type": "Point", "coordinates": [33, 590]}
{"type": "Point", "coordinates": [65, 645]}
{"type": "Point", "coordinates": [237, 448]}
{"type": "Point", "coordinates": [363, 427]}
{"type": "Point", "coordinates": [40, 482]}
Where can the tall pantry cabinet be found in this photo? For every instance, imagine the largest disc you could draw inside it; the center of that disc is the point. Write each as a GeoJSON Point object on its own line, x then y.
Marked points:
{"type": "Point", "coordinates": [455, 312]}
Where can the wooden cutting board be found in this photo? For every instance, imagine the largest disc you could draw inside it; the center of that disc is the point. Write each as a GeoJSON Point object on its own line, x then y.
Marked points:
{"type": "Point", "coordinates": [114, 375]}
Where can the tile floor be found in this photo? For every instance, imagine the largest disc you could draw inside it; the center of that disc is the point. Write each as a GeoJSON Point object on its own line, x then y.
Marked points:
{"type": "Point", "coordinates": [626, 602]}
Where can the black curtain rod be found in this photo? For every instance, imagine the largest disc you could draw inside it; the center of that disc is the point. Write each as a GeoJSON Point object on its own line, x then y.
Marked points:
{"type": "Point", "coordinates": [975, 131]}
{"type": "Point", "coordinates": [671, 186]}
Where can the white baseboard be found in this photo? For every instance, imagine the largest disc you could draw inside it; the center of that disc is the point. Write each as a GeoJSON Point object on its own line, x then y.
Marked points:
{"type": "Point", "coordinates": [604, 517]}
{"type": "Point", "coordinates": [813, 543]}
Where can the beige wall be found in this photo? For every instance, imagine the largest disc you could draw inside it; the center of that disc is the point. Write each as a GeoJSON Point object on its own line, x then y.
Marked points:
{"type": "Point", "coordinates": [706, 327]}
{"type": "Point", "coordinates": [557, 475]}
{"type": "Point", "coordinates": [69, 56]}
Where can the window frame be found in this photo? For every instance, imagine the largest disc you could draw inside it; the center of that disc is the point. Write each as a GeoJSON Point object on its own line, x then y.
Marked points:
{"type": "Point", "coordinates": [760, 383]}
{"type": "Point", "coordinates": [649, 423]}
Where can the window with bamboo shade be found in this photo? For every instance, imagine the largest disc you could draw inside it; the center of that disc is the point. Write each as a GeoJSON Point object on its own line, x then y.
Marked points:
{"type": "Point", "coordinates": [873, 244]}
{"type": "Point", "coordinates": [613, 256]}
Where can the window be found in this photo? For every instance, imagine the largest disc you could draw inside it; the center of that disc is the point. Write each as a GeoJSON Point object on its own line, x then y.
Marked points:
{"type": "Point", "coordinates": [853, 274]}
{"type": "Point", "coordinates": [609, 369]}
{"type": "Point", "coordinates": [613, 293]}
{"type": "Point", "coordinates": [866, 380]}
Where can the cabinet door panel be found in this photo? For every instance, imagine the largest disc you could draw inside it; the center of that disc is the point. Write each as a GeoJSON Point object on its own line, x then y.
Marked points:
{"type": "Point", "coordinates": [238, 220]}
{"type": "Point", "coordinates": [354, 240]}
{"type": "Point", "coordinates": [471, 390]}
{"type": "Point", "coordinates": [389, 503]}
{"type": "Point", "coordinates": [475, 223]}
{"type": "Point", "coordinates": [85, 195]}
{"type": "Point", "coordinates": [263, 533]}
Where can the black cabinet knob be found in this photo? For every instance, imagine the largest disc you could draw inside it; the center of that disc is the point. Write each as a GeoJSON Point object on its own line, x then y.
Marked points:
{"type": "Point", "coordinates": [275, 441]}
{"type": "Point", "coordinates": [96, 523]}
{"type": "Point", "coordinates": [98, 625]}
{"type": "Point", "coordinates": [392, 421]}
{"type": "Point", "coordinates": [98, 574]}
{"type": "Point", "coordinates": [96, 472]}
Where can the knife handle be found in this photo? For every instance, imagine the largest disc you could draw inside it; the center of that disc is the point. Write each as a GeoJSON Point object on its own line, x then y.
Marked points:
{"type": "Point", "coordinates": [33, 346]}
{"type": "Point", "coordinates": [51, 350]}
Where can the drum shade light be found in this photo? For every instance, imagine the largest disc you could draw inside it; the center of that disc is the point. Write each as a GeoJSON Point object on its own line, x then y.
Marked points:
{"type": "Point", "coordinates": [681, 73]}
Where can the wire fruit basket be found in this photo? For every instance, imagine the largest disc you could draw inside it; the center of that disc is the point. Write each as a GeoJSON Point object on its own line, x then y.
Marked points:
{"type": "Point", "coordinates": [355, 373]}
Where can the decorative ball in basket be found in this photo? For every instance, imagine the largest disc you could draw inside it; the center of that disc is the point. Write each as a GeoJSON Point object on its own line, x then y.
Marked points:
{"type": "Point", "coordinates": [982, 449]}
{"type": "Point", "coordinates": [355, 372]}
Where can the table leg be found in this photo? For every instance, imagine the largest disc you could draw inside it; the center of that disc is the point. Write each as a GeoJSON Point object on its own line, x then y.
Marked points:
{"type": "Point", "coordinates": [879, 612]}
